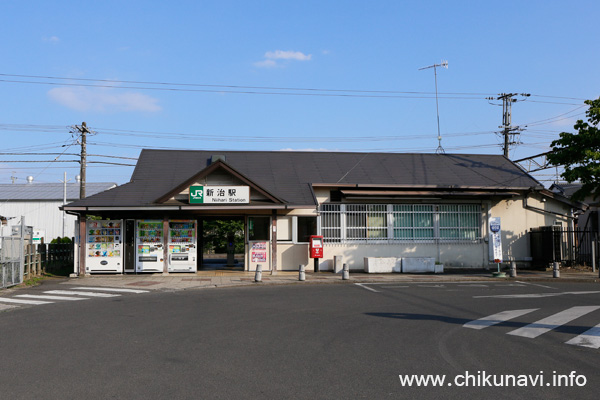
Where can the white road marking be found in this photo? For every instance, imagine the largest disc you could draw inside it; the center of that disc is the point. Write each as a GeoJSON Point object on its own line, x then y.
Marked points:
{"type": "Point", "coordinates": [364, 286]}
{"type": "Point", "coordinates": [45, 297]}
{"type": "Point", "coordinates": [395, 287]}
{"type": "Point", "coordinates": [435, 286]}
{"type": "Point", "coordinates": [589, 338]}
{"type": "Point", "coordinates": [72, 292]}
{"type": "Point", "coordinates": [474, 285]}
{"type": "Point", "coordinates": [18, 301]}
{"type": "Point", "coordinates": [536, 284]}
{"type": "Point", "coordinates": [533, 295]}
{"type": "Point", "coordinates": [497, 318]}
{"type": "Point", "coordinates": [554, 321]}
{"type": "Point", "coordinates": [6, 307]}
{"type": "Point", "coordinates": [112, 289]}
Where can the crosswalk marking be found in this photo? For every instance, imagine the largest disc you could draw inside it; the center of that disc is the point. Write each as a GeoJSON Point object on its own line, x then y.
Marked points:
{"type": "Point", "coordinates": [74, 294]}
{"type": "Point", "coordinates": [91, 294]}
{"type": "Point", "coordinates": [112, 289]}
{"type": "Point", "coordinates": [554, 321]}
{"type": "Point", "coordinates": [23, 301]}
{"type": "Point", "coordinates": [49, 297]}
{"type": "Point", "coordinates": [589, 338]}
{"type": "Point", "coordinates": [497, 318]}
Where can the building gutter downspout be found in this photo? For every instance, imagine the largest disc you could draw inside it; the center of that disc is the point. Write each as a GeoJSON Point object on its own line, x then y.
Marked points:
{"type": "Point", "coordinates": [528, 207]}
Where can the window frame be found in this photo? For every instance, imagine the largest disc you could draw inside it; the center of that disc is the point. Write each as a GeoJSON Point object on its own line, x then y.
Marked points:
{"type": "Point", "coordinates": [346, 218]}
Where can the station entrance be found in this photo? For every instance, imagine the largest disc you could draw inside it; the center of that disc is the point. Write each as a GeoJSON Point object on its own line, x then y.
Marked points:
{"type": "Point", "coordinates": [222, 243]}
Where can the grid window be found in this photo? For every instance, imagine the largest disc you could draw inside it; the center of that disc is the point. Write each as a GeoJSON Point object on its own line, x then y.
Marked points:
{"type": "Point", "coordinates": [331, 223]}
{"type": "Point", "coordinates": [366, 222]}
{"type": "Point", "coordinates": [413, 221]}
{"type": "Point", "coordinates": [407, 222]}
{"type": "Point", "coordinates": [459, 221]}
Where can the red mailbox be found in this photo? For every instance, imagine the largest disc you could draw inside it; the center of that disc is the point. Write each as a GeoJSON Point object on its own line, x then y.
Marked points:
{"type": "Point", "coordinates": [316, 246]}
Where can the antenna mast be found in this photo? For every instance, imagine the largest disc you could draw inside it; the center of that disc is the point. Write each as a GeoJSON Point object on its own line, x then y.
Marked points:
{"type": "Point", "coordinates": [444, 64]}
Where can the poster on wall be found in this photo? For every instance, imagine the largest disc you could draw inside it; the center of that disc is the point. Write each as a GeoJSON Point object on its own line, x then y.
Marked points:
{"type": "Point", "coordinates": [259, 256]}
{"type": "Point", "coordinates": [496, 239]}
{"type": "Point", "coordinates": [259, 246]}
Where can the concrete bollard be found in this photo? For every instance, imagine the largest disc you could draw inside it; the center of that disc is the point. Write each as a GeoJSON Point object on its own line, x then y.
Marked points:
{"type": "Point", "coordinates": [556, 271]}
{"type": "Point", "coordinates": [301, 273]}
{"type": "Point", "coordinates": [337, 264]}
{"type": "Point", "coordinates": [345, 272]}
{"type": "Point", "coordinates": [258, 273]}
{"type": "Point", "coordinates": [513, 269]}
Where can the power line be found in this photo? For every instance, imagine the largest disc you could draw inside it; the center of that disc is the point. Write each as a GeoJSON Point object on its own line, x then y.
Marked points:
{"type": "Point", "coordinates": [112, 81]}
{"type": "Point", "coordinates": [241, 91]}
{"type": "Point", "coordinates": [64, 154]}
{"type": "Point", "coordinates": [558, 97]}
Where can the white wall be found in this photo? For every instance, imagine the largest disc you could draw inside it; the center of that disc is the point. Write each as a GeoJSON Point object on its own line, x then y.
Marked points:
{"type": "Point", "coordinates": [452, 255]}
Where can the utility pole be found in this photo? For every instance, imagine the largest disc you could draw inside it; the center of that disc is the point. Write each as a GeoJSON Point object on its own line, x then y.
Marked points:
{"type": "Point", "coordinates": [64, 182]}
{"type": "Point", "coordinates": [83, 131]}
{"type": "Point", "coordinates": [508, 130]}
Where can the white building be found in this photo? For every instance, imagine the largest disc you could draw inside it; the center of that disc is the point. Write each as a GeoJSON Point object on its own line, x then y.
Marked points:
{"type": "Point", "coordinates": [39, 203]}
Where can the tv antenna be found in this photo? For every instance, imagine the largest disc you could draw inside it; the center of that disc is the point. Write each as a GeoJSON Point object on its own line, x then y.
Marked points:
{"type": "Point", "coordinates": [444, 64]}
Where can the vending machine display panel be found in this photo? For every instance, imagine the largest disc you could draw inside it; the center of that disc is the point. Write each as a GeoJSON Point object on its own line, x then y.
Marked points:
{"type": "Point", "coordinates": [149, 245]}
{"type": "Point", "coordinates": [182, 245]}
{"type": "Point", "coordinates": [104, 246]}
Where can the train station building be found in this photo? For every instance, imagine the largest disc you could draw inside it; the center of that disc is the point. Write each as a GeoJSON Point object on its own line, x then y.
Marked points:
{"type": "Point", "coordinates": [364, 205]}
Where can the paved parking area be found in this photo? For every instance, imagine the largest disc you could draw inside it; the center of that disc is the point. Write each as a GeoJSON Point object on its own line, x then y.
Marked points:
{"type": "Point", "coordinates": [212, 279]}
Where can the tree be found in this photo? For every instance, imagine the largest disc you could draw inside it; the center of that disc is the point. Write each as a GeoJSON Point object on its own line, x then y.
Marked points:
{"type": "Point", "coordinates": [579, 153]}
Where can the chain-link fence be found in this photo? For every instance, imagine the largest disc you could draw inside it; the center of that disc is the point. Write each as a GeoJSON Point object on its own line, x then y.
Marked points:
{"type": "Point", "coordinates": [11, 261]}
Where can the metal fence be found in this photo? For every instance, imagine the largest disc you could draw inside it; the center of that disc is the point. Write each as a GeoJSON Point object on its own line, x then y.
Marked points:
{"type": "Point", "coordinates": [56, 258]}
{"type": "Point", "coordinates": [11, 261]}
{"type": "Point", "coordinates": [569, 247]}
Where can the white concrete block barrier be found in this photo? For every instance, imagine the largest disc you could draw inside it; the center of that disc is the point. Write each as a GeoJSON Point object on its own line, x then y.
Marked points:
{"type": "Point", "coordinates": [413, 265]}
{"type": "Point", "coordinates": [382, 265]}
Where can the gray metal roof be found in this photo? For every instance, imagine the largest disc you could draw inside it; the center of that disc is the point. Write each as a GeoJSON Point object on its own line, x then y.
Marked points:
{"type": "Point", "coordinates": [289, 175]}
{"type": "Point", "coordinates": [566, 189]}
{"type": "Point", "coordinates": [49, 191]}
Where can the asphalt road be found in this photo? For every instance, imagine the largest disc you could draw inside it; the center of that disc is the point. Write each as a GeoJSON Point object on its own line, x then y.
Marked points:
{"type": "Point", "coordinates": [306, 342]}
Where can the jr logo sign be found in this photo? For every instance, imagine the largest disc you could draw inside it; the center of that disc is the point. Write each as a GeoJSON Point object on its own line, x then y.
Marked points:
{"type": "Point", "coordinates": [196, 194]}
{"type": "Point", "coordinates": [219, 194]}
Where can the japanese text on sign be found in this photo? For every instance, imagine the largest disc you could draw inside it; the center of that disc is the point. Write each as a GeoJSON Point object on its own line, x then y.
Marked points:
{"type": "Point", "coordinates": [219, 194]}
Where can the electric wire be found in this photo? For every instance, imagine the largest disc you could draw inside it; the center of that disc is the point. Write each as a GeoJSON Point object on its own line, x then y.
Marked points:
{"type": "Point", "coordinates": [170, 89]}
{"type": "Point", "coordinates": [233, 86]}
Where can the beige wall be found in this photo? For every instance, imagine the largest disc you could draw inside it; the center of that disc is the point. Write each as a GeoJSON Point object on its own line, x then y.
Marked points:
{"type": "Point", "coordinates": [516, 221]}
{"type": "Point", "coordinates": [290, 256]}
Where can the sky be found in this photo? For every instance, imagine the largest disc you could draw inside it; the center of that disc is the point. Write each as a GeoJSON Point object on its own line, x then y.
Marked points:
{"type": "Point", "coordinates": [279, 75]}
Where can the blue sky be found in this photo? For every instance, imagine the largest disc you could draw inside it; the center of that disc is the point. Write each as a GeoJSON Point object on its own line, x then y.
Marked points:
{"type": "Point", "coordinates": [252, 64]}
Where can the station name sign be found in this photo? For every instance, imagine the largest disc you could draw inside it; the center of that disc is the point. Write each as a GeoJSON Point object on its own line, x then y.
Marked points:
{"type": "Point", "coordinates": [219, 194]}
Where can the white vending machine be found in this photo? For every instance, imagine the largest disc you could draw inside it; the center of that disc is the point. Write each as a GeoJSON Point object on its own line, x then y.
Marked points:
{"type": "Point", "coordinates": [182, 245]}
{"type": "Point", "coordinates": [104, 246]}
{"type": "Point", "coordinates": [149, 244]}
